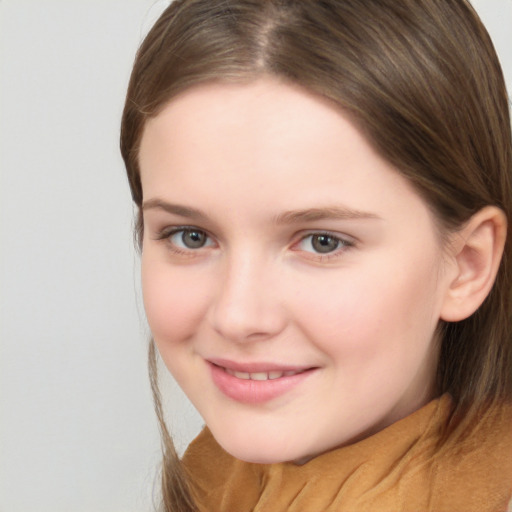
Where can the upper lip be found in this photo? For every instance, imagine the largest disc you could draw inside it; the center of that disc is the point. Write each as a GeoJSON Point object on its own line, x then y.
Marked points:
{"type": "Point", "coordinates": [257, 367]}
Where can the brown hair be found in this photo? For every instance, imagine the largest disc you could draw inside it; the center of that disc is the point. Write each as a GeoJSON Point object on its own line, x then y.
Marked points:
{"type": "Point", "coordinates": [419, 77]}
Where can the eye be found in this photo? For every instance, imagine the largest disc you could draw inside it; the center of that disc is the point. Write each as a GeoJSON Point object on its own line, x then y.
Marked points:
{"type": "Point", "coordinates": [189, 238]}
{"type": "Point", "coordinates": [322, 243]}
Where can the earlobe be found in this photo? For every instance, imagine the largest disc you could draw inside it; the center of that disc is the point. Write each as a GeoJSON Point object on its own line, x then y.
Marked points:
{"type": "Point", "coordinates": [477, 251]}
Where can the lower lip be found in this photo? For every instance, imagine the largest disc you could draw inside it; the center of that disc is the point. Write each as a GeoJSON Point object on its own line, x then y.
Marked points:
{"type": "Point", "coordinates": [255, 391]}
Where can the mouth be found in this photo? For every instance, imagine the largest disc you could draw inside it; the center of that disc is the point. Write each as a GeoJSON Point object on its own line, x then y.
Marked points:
{"type": "Point", "coordinates": [256, 383]}
{"type": "Point", "coordinates": [260, 376]}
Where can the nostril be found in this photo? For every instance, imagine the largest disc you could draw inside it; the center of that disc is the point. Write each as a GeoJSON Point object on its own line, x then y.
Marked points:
{"type": "Point", "coordinates": [246, 325]}
{"type": "Point", "coordinates": [257, 335]}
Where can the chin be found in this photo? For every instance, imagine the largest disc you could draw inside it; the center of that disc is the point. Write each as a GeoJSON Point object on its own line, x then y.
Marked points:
{"type": "Point", "coordinates": [258, 451]}
{"type": "Point", "coordinates": [257, 457]}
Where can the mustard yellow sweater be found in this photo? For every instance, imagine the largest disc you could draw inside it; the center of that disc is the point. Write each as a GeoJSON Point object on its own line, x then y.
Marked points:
{"type": "Point", "coordinates": [396, 470]}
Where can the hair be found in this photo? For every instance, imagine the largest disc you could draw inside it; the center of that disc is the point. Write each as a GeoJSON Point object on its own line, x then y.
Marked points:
{"type": "Point", "coordinates": [421, 80]}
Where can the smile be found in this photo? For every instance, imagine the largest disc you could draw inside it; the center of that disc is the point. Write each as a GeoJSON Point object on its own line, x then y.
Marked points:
{"type": "Point", "coordinates": [256, 383]}
{"type": "Point", "coordinates": [262, 375]}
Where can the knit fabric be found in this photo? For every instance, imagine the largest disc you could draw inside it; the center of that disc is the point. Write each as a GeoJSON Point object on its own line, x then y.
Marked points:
{"type": "Point", "coordinates": [399, 469]}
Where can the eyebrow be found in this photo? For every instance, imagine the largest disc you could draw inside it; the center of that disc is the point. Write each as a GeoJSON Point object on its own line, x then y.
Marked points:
{"type": "Point", "coordinates": [175, 209]}
{"type": "Point", "coordinates": [329, 213]}
{"type": "Point", "coordinates": [288, 217]}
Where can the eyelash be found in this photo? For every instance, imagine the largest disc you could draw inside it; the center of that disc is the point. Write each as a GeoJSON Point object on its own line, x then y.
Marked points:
{"type": "Point", "coordinates": [343, 244]}
{"type": "Point", "coordinates": [167, 234]}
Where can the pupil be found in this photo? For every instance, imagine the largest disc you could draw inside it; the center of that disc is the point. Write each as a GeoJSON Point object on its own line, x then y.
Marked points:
{"type": "Point", "coordinates": [324, 243]}
{"type": "Point", "coordinates": [193, 239]}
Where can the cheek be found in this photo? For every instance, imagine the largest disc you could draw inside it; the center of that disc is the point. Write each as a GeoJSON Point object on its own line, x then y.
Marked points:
{"type": "Point", "coordinates": [377, 314]}
{"type": "Point", "coordinates": [174, 302]}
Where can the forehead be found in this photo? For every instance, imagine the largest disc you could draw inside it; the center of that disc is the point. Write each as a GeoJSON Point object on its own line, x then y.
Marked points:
{"type": "Point", "coordinates": [225, 144]}
{"type": "Point", "coordinates": [260, 112]}
{"type": "Point", "coordinates": [263, 120]}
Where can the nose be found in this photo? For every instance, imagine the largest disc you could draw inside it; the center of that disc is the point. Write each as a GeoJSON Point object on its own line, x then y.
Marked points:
{"type": "Point", "coordinates": [247, 305]}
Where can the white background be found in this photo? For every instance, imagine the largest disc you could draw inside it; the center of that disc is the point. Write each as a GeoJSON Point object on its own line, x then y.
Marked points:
{"type": "Point", "coordinates": [77, 430]}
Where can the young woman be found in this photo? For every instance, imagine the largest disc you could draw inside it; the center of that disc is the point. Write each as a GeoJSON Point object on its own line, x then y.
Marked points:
{"type": "Point", "coordinates": [323, 191]}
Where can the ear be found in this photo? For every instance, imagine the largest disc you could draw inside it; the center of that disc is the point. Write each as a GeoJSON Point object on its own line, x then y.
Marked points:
{"type": "Point", "coordinates": [477, 250]}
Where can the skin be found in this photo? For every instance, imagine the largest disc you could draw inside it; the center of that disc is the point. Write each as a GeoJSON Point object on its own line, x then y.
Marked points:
{"type": "Point", "coordinates": [362, 317]}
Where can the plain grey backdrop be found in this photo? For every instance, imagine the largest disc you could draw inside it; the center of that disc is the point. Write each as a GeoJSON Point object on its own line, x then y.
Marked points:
{"type": "Point", "coordinates": [77, 430]}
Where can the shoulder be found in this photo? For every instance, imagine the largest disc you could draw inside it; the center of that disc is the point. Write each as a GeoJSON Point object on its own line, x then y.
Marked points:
{"type": "Point", "coordinates": [477, 462]}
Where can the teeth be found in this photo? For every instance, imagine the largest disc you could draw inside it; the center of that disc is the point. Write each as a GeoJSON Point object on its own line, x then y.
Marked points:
{"type": "Point", "coordinates": [242, 375]}
{"type": "Point", "coordinates": [260, 375]}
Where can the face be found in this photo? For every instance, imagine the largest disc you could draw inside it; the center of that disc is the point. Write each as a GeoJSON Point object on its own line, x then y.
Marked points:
{"type": "Point", "coordinates": [292, 279]}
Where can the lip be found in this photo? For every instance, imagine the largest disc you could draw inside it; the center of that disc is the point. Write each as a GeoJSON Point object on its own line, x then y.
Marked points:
{"type": "Point", "coordinates": [255, 391]}
{"type": "Point", "coordinates": [256, 367]}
